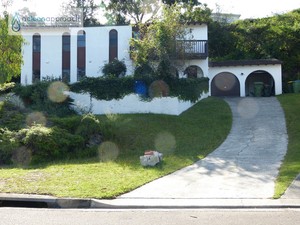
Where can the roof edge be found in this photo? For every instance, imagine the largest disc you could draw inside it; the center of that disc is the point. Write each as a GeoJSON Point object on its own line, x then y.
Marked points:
{"type": "Point", "coordinates": [251, 62]}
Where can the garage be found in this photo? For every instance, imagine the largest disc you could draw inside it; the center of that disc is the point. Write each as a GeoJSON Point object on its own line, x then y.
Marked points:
{"type": "Point", "coordinates": [225, 84]}
{"type": "Point", "coordinates": [259, 78]}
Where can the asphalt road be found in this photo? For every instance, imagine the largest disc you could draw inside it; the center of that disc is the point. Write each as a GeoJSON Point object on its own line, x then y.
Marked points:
{"type": "Point", "coordinates": [24, 216]}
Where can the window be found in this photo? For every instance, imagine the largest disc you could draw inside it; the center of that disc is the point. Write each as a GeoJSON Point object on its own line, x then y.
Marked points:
{"type": "Point", "coordinates": [193, 72]}
{"type": "Point", "coordinates": [66, 57]}
{"type": "Point", "coordinates": [113, 45]}
{"type": "Point", "coordinates": [36, 58]}
{"type": "Point", "coordinates": [81, 51]}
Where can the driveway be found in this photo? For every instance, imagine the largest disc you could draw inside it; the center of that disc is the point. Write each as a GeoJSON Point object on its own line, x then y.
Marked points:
{"type": "Point", "coordinates": [244, 166]}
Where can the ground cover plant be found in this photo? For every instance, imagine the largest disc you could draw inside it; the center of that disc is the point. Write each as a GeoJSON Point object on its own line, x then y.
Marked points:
{"type": "Point", "coordinates": [290, 167]}
{"type": "Point", "coordinates": [116, 169]}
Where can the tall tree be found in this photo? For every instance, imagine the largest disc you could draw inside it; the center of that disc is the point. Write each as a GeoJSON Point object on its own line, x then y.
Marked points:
{"type": "Point", "coordinates": [155, 45]}
{"type": "Point", "coordinates": [89, 9]}
{"type": "Point", "coordinates": [172, 2]}
{"type": "Point", "coordinates": [10, 50]}
{"type": "Point", "coordinates": [136, 11]}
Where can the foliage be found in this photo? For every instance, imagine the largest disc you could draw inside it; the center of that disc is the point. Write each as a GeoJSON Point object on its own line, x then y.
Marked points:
{"type": "Point", "coordinates": [188, 89]}
{"type": "Point", "coordinates": [117, 88]}
{"type": "Point", "coordinates": [131, 10]}
{"type": "Point", "coordinates": [105, 88]}
{"type": "Point", "coordinates": [11, 55]}
{"type": "Point", "coordinates": [11, 117]}
{"type": "Point", "coordinates": [157, 43]}
{"type": "Point", "coordinates": [89, 10]}
{"type": "Point", "coordinates": [6, 87]}
{"type": "Point", "coordinates": [36, 97]}
{"type": "Point", "coordinates": [88, 126]}
{"type": "Point", "coordinates": [193, 134]}
{"type": "Point", "coordinates": [49, 143]}
{"type": "Point", "coordinates": [273, 37]}
{"type": "Point", "coordinates": [7, 145]}
{"type": "Point", "coordinates": [115, 68]}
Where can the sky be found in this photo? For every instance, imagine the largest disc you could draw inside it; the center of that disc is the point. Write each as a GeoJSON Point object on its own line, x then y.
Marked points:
{"type": "Point", "coordinates": [246, 8]}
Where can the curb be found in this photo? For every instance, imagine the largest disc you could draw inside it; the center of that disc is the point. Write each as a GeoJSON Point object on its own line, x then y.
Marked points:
{"type": "Point", "coordinates": [36, 201]}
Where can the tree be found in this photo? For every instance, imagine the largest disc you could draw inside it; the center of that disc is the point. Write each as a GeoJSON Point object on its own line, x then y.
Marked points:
{"type": "Point", "coordinates": [137, 11]}
{"type": "Point", "coordinates": [172, 2]}
{"type": "Point", "coordinates": [156, 44]}
{"type": "Point", "coordinates": [10, 50]}
{"type": "Point", "coordinates": [273, 37]}
{"type": "Point", "coordinates": [88, 7]}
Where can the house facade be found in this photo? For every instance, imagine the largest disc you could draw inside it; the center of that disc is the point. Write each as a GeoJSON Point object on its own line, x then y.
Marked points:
{"type": "Point", "coordinates": [78, 52]}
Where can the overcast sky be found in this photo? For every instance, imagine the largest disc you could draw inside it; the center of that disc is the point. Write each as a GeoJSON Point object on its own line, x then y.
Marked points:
{"type": "Point", "coordinates": [247, 8]}
{"type": "Point", "coordinates": [254, 8]}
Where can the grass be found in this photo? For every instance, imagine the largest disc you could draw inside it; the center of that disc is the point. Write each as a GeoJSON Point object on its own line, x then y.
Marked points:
{"type": "Point", "coordinates": [290, 167]}
{"type": "Point", "coordinates": [183, 139]}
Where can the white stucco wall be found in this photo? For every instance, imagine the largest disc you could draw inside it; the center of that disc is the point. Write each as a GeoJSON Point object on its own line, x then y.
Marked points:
{"type": "Point", "coordinates": [242, 72]}
{"type": "Point", "coordinates": [132, 104]}
{"type": "Point", "coordinates": [97, 51]}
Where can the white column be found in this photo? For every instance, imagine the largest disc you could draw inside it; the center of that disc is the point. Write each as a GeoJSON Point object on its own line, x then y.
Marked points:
{"type": "Point", "coordinates": [73, 55]}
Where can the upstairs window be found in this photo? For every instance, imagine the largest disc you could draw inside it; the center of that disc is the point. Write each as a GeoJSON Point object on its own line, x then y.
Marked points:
{"type": "Point", "coordinates": [113, 45]}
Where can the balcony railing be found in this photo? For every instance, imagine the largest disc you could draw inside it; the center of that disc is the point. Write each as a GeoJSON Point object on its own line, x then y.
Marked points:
{"type": "Point", "coordinates": [191, 49]}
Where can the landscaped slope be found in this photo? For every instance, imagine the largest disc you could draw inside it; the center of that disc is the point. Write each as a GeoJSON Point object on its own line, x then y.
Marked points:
{"type": "Point", "coordinates": [183, 139]}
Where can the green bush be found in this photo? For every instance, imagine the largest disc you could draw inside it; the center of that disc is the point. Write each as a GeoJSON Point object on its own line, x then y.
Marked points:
{"type": "Point", "coordinates": [88, 126]}
{"type": "Point", "coordinates": [6, 87]}
{"type": "Point", "coordinates": [143, 71]}
{"type": "Point", "coordinates": [36, 97]}
{"type": "Point", "coordinates": [8, 144]}
{"type": "Point", "coordinates": [117, 88]}
{"type": "Point", "coordinates": [11, 117]}
{"type": "Point", "coordinates": [105, 88]}
{"type": "Point", "coordinates": [69, 123]}
{"type": "Point", "coordinates": [115, 68]}
{"type": "Point", "coordinates": [50, 143]}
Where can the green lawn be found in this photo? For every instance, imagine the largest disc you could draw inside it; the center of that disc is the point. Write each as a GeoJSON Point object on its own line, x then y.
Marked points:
{"type": "Point", "coordinates": [291, 164]}
{"type": "Point", "coordinates": [183, 139]}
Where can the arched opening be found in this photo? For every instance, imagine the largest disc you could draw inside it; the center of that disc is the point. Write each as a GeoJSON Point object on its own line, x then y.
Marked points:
{"type": "Point", "coordinates": [257, 77]}
{"type": "Point", "coordinates": [225, 84]}
{"type": "Point", "coordinates": [66, 57]}
{"type": "Point", "coordinates": [81, 42]}
{"type": "Point", "coordinates": [113, 45]}
{"type": "Point", "coordinates": [36, 58]}
{"type": "Point", "coordinates": [193, 72]}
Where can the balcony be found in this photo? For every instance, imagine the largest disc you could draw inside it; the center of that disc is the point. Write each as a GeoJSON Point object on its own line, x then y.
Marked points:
{"type": "Point", "coordinates": [191, 49]}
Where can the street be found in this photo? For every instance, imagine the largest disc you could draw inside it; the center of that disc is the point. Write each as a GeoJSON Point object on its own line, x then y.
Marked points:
{"type": "Point", "coordinates": [25, 216]}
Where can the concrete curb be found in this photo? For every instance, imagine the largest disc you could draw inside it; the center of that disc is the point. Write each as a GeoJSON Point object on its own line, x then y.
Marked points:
{"type": "Point", "coordinates": [40, 201]}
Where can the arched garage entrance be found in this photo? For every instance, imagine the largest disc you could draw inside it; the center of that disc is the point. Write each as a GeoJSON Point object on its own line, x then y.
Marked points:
{"type": "Point", "coordinates": [260, 76]}
{"type": "Point", "coordinates": [225, 84]}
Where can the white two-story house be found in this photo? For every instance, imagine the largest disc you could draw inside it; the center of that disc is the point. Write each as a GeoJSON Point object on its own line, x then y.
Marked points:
{"type": "Point", "coordinates": [77, 52]}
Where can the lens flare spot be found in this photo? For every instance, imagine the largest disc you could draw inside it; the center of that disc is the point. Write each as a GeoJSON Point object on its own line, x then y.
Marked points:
{"type": "Point", "coordinates": [57, 92]}
{"type": "Point", "coordinates": [247, 108]}
{"type": "Point", "coordinates": [225, 81]}
{"type": "Point", "coordinates": [165, 142]}
{"type": "Point", "coordinates": [21, 157]}
{"type": "Point", "coordinates": [36, 118]}
{"type": "Point", "coordinates": [159, 88]}
{"type": "Point", "coordinates": [108, 151]}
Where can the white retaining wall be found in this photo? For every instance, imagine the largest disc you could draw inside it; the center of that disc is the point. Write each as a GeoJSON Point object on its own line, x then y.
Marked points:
{"type": "Point", "coordinates": [131, 104]}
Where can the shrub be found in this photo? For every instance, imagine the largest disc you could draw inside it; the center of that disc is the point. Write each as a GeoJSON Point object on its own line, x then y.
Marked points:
{"type": "Point", "coordinates": [36, 97]}
{"type": "Point", "coordinates": [116, 88]}
{"type": "Point", "coordinates": [88, 126]}
{"type": "Point", "coordinates": [6, 87]}
{"type": "Point", "coordinates": [11, 116]}
{"type": "Point", "coordinates": [50, 143]}
{"type": "Point", "coordinates": [143, 71]}
{"type": "Point", "coordinates": [8, 144]}
{"type": "Point", "coordinates": [115, 68]}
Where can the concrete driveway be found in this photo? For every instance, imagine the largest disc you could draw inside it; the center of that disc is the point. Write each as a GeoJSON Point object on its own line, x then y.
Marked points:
{"type": "Point", "coordinates": [244, 166]}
